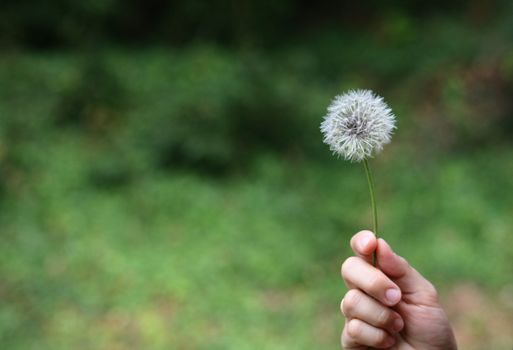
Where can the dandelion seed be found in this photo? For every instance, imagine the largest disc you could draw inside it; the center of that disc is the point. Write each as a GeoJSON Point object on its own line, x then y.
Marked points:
{"type": "Point", "coordinates": [358, 124]}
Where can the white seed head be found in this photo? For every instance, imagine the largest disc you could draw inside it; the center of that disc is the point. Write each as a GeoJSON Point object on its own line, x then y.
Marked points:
{"type": "Point", "coordinates": [358, 124]}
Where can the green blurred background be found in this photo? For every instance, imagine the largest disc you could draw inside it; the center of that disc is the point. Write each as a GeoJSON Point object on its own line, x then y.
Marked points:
{"type": "Point", "coordinates": [163, 182]}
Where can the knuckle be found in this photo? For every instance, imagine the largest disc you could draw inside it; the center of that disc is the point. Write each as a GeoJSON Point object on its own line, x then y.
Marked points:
{"type": "Point", "coordinates": [375, 283]}
{"type": "Point", "coordinates": [428, 289]}
{"type": "Point", "coordinates": [354, 329]}
{"type": "Point", "coordinates": [384, 317]}
{"type": "Point", "coordinates": [406, 263]}
{"type": "Point", "coordinates": [431, 292]}
{"type": "Point", "coordinates": [351, 301]}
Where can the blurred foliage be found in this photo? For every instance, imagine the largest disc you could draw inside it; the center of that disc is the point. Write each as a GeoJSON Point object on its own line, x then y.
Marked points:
{"type": "Point", "coordinates": [61, 23]}
{"type": "Point", "coordinates": [162, 173]}
{"type": "Point", "coordinates": [94, 101]}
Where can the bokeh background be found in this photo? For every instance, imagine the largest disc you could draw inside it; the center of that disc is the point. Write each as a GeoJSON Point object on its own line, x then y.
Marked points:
{"type": "Point", "coordinates": [163, 182]}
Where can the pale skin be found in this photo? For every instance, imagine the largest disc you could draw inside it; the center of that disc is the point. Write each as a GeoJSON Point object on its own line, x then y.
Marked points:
{"type": "Point", "coordinates": [391, 306]}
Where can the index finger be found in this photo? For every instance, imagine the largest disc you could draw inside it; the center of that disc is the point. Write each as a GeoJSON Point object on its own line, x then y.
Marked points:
{"type": "Point", "coordinates": [363, 244]}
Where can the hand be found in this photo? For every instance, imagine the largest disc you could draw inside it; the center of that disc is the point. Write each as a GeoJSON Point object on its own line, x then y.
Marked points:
{"type": "Point", "coordinates": [391, 306]}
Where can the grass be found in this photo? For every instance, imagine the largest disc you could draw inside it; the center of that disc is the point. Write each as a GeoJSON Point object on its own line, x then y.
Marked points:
{"type": "Point", "coordinates": [180, 261]}
{"type": "Point", "coordinates": [115, 235]}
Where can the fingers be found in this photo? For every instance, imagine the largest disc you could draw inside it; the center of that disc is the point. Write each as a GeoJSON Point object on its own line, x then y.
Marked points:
{"type": "Point", "coordinates": [372, 305]}
{"type": "Point", "coordinates": [358, 305]}
{"type": "Point", "coordinates": [357, 333]}
{"type": "Point", "coordinates": [364, 243]}
{"type": "Point", "coordinates": [392, 264]}
{"type": "Point", "coordinates": [406, 277]}
{"type": "Point", "coordinates": [359, 274]}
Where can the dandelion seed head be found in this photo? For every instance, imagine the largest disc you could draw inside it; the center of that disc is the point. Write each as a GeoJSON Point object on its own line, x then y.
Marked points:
{"type": "Point", "coordinates": [358, 124]}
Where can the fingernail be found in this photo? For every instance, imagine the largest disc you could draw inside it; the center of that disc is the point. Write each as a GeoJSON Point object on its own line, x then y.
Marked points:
{"type": "Point", "coordinates": [364, 242]}
{"type": "Point", "coordinates": [393, 295]}
{"type": "Point", "coordinates": [398, 324]}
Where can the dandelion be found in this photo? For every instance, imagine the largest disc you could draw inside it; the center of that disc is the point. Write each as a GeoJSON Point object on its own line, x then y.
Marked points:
{"type": "Point", "coordinates": [357, 126]}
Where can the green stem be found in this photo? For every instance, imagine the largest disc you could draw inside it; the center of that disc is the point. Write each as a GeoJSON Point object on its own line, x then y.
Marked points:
{"type": "Point", "coordinates": [373, 204]}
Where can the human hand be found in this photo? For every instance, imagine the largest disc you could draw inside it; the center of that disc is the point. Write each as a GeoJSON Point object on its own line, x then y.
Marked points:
{"type": "Point", "coordinates": [390, 306]}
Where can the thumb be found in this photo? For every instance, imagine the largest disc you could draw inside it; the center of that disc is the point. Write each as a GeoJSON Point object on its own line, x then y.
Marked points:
{"type": "Point", "coordinates": [411, 282]}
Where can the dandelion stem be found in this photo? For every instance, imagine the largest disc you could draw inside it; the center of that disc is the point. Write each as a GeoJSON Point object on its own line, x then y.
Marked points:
{"type": "Point", "coordinates": [373, 204]}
